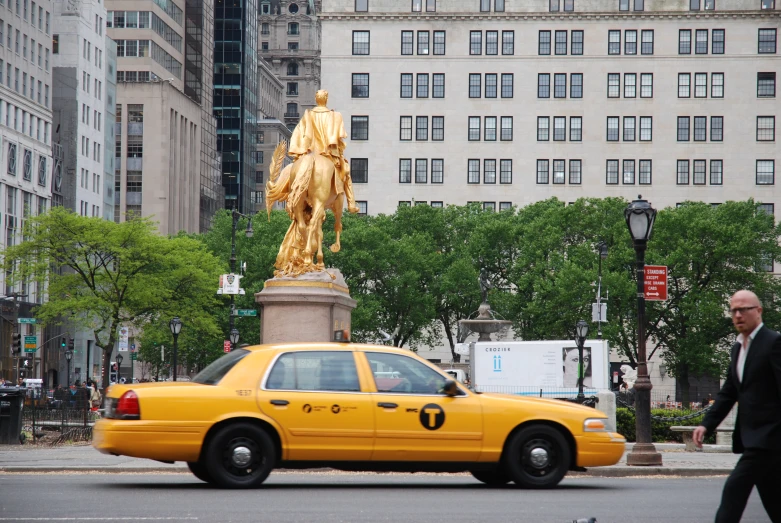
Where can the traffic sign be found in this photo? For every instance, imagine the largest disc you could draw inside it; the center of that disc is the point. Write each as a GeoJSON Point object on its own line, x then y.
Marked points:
{"type": "Point", "coordinates": [30, 343]}
{"type": "Point", "coordinates": [134, 355]}
{"type": "Point", "coordinates": [246, 312]}
{"type": "Point", "coordinates": [655, 283]}
{"type": "Point", "coordinates": [27, 320]}
{"type": "Point", "coordinates": [226, 346]}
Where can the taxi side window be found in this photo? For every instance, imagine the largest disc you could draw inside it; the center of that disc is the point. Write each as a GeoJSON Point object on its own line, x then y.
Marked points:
{"type": "Point", "coordinates": [401, 374]}
{"type": "Point", "coordinates": [315, 371]}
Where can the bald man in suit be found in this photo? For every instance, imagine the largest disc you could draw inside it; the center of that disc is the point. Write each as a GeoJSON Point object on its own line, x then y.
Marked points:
{"type": "Point", "coordinates": [754, 382]}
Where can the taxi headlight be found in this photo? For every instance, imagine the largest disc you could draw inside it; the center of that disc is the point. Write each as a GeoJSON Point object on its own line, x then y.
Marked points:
{"type": "Point", "coordinates": [594, 425]}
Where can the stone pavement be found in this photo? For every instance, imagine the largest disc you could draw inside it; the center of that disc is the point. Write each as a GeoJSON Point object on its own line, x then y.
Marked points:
{"type": "Point", "coordinates": [716, 460]}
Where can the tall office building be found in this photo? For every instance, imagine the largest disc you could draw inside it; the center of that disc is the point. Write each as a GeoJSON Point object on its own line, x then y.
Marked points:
{"type": "Point", "coordinates": [235, 97]}
{"type": "Point", "coordinates": [510, 102]}
{"type": "Point", "coordinates": [164, 149]}
{"type": "Point", "coordinates": [25, 154]}
{"type": "Point", "coordinates": [290, 43]}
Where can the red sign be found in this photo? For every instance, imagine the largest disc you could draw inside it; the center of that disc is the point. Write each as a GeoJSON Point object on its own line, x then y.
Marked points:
{"type": "Point", "coordinates": [655, 282]}
{"type": "Point", "coordinates": [226, 346]}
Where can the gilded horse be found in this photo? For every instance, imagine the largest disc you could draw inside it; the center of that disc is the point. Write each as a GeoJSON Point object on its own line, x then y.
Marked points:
{"type": "Point", "coordinates": [308, 188]}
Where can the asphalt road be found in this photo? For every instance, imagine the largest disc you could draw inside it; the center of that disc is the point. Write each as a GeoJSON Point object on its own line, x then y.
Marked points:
{"type": "Point", "coordinates": [342, 497]}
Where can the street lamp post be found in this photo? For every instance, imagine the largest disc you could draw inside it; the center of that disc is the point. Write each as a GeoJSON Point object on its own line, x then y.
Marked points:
{"type": "Point", "coordinates": [602, 256]}
{"type": "Point", "coordinates": [581, 329]}
{"type": "Point", "coordinates": [248, 233]}
{"type": "Point", "coordinates": [68, 357]}
{"type": "Point", "coordinates": [119, 367]}
{"type": "Point", "coordinates": [176, 327]}
{"type": "Point", "coordinates": [234, 337]}
{"type": "Point", "coordinates": [640, 217]}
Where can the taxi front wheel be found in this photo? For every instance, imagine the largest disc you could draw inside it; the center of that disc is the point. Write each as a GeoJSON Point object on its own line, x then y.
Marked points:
{"type": "Point", "coordinates": [537, 456]}
{"type": "Point", "coordinates": [240, 456]}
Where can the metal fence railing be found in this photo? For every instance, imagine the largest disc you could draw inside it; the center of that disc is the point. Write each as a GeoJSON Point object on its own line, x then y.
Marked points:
{"type": "Point", "coordinates": [70, 421]}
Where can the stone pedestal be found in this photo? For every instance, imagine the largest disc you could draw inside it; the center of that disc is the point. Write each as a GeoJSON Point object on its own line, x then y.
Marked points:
{"type": "Point", "coordinates": [309, 307]}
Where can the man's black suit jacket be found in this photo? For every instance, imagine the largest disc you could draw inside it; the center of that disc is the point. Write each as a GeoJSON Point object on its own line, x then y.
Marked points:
{"type": "Point", "coordinates": [758, 424]}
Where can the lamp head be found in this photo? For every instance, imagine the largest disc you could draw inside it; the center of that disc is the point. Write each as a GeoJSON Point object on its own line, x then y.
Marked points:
{"type": "Point", "coordinates": [603, 250]}
{"type": "Point", "coordinates": [250, 231]}
{"type": "Point", "coordinates": [234, 336]}
{"type": "Point", "coordinates": [640, 217]}
{"type": "Point", "coordinates": [68, 355]}
{"type": "Point", "coordinates": [175, 325]}
{"type": "Point", "coordinates": [581, 329]}
{"type": "Point", "coordinates": [120, 358]}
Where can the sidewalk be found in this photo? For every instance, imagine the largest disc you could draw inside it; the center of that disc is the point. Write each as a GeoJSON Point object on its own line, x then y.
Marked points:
{"type": "Point", "coordinates": [714, 461]}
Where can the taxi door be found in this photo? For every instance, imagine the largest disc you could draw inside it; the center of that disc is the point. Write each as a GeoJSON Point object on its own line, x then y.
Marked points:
{"type": "Point", "coordinates": [316, 398]}
{"type": "Point", "coordinates": [415, 421]}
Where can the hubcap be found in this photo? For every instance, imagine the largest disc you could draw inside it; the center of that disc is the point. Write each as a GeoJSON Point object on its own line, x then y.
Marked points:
{"type": "Point", "coordinates": [242, 456]}
{"type": "Point", "coordinates": [538, 457]}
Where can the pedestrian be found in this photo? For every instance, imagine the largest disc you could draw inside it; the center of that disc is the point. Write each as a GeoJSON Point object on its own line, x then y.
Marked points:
{"type": "Point", "coordinates": [2, 382]}
{"type": "Point", "coordinates": [95, 397]}
{"type": "Point", "coordinates": [754, 382]}
{"type": "Point", "coordinates": [82, 396]}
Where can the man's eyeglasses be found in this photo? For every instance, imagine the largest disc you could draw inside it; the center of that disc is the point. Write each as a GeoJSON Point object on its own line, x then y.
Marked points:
{"type": "Point", "coordinates": [741, 310]}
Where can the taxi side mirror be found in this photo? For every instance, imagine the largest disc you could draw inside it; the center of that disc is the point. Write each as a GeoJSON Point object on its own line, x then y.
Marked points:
{"type": "Point", "coordinates": [450, 388]}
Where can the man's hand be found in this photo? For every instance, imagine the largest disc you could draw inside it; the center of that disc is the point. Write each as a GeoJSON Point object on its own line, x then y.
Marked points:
{"type": "Point", "coordinates": [699, 435]}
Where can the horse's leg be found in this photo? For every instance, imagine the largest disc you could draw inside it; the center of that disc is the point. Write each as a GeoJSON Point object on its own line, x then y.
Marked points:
{"type": "Point", "coordinates": [338, 207]}
{"type": "Point", "coordinates": [315, 223]}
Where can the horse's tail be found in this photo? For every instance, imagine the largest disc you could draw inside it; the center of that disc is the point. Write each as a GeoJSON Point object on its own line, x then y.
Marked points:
{"type": "Point", "coordinates": [300, 185]}
{"type": "Point", "coordinates": [276, 192]}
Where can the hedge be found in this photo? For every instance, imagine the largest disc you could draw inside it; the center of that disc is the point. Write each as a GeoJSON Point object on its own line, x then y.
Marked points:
{"type": "Point", "coordinates": [660, 430]}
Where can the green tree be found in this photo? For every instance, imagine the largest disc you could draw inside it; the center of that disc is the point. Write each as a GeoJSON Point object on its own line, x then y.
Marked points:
{"type": "Point", "coordinates": [112, 274]}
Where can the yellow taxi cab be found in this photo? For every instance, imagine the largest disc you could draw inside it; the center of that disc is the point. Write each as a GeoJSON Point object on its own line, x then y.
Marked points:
{"type": "Point", "coordinates": [350, 407]}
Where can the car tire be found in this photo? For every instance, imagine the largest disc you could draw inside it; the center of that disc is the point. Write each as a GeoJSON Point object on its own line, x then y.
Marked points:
{"type": "Point", "coordinates": [199, 471]}
{"type": "Point", "coordinates": [537, 457]}
{"type": "Point", "coordinates": [240, 456]}
{"type": "Point", "coordinates": [494, 478]}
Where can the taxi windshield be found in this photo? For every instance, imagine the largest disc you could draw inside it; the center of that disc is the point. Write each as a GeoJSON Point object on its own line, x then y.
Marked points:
{"type": "Point", "coordinates": [217, 369]}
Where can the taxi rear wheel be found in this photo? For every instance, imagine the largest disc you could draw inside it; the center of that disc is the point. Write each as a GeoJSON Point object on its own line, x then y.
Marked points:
{"type": "Point", "coordinates": [494, 478]}
{"type": "Point", "coordinates": [240, 456]}
{"type": "Point", "coordinates": [537, 457]}
{"type": "Point", "coordinates": [199, 471]}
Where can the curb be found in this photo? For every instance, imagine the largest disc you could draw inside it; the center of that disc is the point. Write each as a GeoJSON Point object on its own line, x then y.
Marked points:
{"type": "Point", "coordinates": [88, 469]}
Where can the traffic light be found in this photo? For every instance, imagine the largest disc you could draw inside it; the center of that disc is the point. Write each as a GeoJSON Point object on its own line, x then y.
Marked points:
{"type": "Point", "coordinates": [17, 342]}
{"type": "Point", "coordinates": [71, 344]}
{"type": "Point", "coordinates": [62, 343]}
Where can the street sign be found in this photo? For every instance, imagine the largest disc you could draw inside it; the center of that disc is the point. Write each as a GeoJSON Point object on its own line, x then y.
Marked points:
{"type": "Point", "coordinates": [30, 343]}
{"type": "Point", "coordinates": [596, 317]}
{"type": "Point", "coordinates": [226, 346]}
{"type": "Point", "coordinates": [27, 320]}
{"type": "Point", "coordinates": [655, 283]}
{"type": "Point", "coordinates": [134, 355]}
{"type": "Point", "coordinates": [246, 312]}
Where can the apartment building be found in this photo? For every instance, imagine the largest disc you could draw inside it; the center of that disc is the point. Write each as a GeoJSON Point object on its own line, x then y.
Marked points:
{"type": "Point", "coordinates": [508, 102]}
{"type": "Point", "coordinates": [25, 151]}
{"type": "Point", "coordinates": [290, 42]}
{"type": "Point", "coordinates": [164, 146]}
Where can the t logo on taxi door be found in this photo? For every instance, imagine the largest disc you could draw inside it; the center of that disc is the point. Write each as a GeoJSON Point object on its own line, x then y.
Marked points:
{"type": "Point", "coordinates": [432, 416]}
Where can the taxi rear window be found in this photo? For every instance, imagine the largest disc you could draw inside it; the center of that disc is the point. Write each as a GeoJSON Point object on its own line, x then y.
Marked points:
{"type": "Point", "coordinates": [217, 370]}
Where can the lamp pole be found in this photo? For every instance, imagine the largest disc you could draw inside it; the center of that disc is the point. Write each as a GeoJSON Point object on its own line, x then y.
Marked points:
{"type": "Point", "coordinates": [581, 330]}
{"type": "Point", "coordinates": [119, 367]}
{"type": "Point", "coordinates": [640, 217]}
{"type": "Point", "coordinates": [602, 256]}
{"type": "Point", "coordinates": [234, 338]}
{"type": "Point", "coordinates": [176, 327]}
{"type": "Point", "coordinates": [235, 215]}
{"type": "Point", "coordinates": [68, 356]}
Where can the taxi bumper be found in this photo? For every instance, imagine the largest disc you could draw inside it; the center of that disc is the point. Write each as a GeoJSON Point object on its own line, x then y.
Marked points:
{"type": "Point", "coordinates": [599, 449]}
{"type": "Point", "coordinates": [162, 441]}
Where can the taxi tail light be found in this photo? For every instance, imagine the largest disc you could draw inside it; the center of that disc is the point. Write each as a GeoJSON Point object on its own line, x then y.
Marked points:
{"type": "Point", "coordinates": [128, 407]}
{"type": "Point", "coordinates": [594, 425]}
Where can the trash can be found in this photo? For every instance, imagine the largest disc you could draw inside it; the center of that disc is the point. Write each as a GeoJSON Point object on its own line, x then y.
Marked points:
{"type": "Point", "coordinates": [11, 404]}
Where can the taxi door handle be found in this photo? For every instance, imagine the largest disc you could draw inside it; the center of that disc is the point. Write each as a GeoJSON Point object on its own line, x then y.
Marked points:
{"type": "Point", "coordinates": [279, 402]}
{"type": "Point", "coordinates": [387, 405]}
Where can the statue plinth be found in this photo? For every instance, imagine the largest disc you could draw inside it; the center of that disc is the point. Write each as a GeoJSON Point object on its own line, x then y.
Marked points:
{"type": "Point", "coordinates": [309, 307]}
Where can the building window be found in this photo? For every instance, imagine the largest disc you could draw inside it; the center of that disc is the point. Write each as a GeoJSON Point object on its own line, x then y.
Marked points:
{"type": "Point", "coordinates": [575, 129]}
{"type": "Point", "coordinates": [422, 88]}
{"type": "Point", "coordinates": [766, 172]}
{"type": "Point", "coordinates": [543, 128]}
{"type": "Point", "coordinates": [417, 6]}
{"type": "Point", "coordinates": [576, 48]}
{"type": "Point", "coordinates": [421, 128]}
{"type": "Point", "coordinates": [575, 172]}
{"type": "Point", "coordinates": [543, 171]}
{"type": "Point", "coordinates": [647, 44]}
{"type": "Point", "coordinates": [292, 88]}
{"type": "Point", "coordinates": [437, 170]}
{"type": "Point", "coordinates": [360, 42]}
{"type": "Point", "coordinates": [630, 42]}
{"type": "Point", "coordinates": [612, 128]}
{"type": "Point", "coordinates": [614, 85]}
{"type": "Point", "coordinates": [359, 128]}
{"type": "Point", "coordinates": [485, 5]}
{"type": "Point", "coordinates": [405, 128]}
{"type": "Point", "coordinates": [489, 171]}
{"type": "Point", "coordinates": [701, 44]}
{"type": "Point", "coordinates": [629, 172]}
{"type": "Point", "coordinates": [543, 44]}
{"type": "Point", "coordinates": [490, 85]}
{"type": "Point", "coordinates": [765, 4]}
{"type": "Point", "coordinates": [716, 172]}
{"type": "Point", "coordinates": [505, 171]}
{"type": "Point", "coordinates": [701, 85]}
{"type": "Point", "coordinates": [508, 42]}
{"type": "Point", "coordinates": [292, 69]}
{"type": "Point", "coordinates": [766, 128]}
{"type": "Point", "coordinates": [699, 172]}
{"type": "Point", "coordinates": [629, 128]}
{"type": "Point", "coordinates": [694, 5]}
{"type": "Point", "coordinates": [683, 172]}
{"type": "Point", "coordinates": [558, 171]}
{"type": "Point", "coordinates": [507, 128]}
{"type": "Point", "coordinates": [767, 41]}
{"type": "Point", "coordinates": [423, 42]}
{"type": "Point", "coordinates": [406, 85]}
{"type": "Point", "coordinates": [474, 128]}
{"type": "Point", "coordinates": [623, 5]}
{"type": "Point", "coordinates": [716, 128]}
{"type": "Point", "coordinates": [647, 85]}
{"type": "Point", "coordinates": [439, 42]}
{"type": "Point", "coordinates": [611, 172]}
{"type": "Point", "coordinates": [576, 85]}
{"type": "Point", "coordinates": [505, 206]}
{"type": "Point", "coordinates": [492, 42]}
{"type": "Point", "coordinates": [684, 85]}
{"type": "Point", "coordinates": [717, 44]}
{"type": "Point", "coordinates": [560, 85]}
{"type": "Point", "coordinates": [406, 42]}
{"type": "Point", "coordinates": [683, 128]}
{"type": "Point", "coordinates": [646, 128]}
{"type": "Point", "coordinates": [684, 41]}
{"type": "Point", "coordinates": [717, 85]}
{"type": "Point", "coordinates": [474, 86]}
{"type": "Point", "coordinates": [700, 128]}
{"type": "Point", "coordinates": [559, 128]}
{"type": "Point", "coordinates": [766, 85]}
{"type": "Point", "coordinates": [360, 85]}
{"type": "Point", "coordinates": [473, 174]}
{"type": "Point", "coordinates": [507, 85]}
{"type": "Point", "coordinates": [644, 177]}
{"type": "Point", "coordinates": [438, 89]}
{"type": "Point", "coordinates": [421, 170]}
{"type": "Point", "coordinates": [554, 6]}
{"type": "Point", "coordinates": [437, 128]}
{"type": "Point", "coordinates": [561, 42]}
{"type": "Point", "coordinates": [630, 85]}
{"type": "Point", "coordinates": [431, 6]}
{"type": "Point", "coordinates": [437, 204]}
{"type": "Point", "coordinates": [405, 170]}
{"type": "Point", "coordinates": [361, 6]}
{"type": "Point", "coordinates": [475, 42]}
{"type": "Point", "coordinates": [614, 42]}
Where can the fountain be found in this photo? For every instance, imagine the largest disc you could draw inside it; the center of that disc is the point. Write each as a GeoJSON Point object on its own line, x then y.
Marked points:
{"type": "Point", "coordinates": [485, 323]}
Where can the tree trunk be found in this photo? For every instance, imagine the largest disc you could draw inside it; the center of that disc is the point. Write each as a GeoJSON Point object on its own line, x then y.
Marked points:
{"type": "Point", "coordinates": [682, 376]}
{"type": "Point", "coordinates": [454, 354]}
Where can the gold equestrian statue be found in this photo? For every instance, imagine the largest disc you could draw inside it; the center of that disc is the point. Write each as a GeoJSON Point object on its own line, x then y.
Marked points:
{"type": "Point", "coordinates": [318, 179]}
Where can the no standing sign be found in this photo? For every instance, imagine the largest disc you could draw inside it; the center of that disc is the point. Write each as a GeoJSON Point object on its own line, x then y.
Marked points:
{"type": "Point", "coordinates": [655, 283]}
